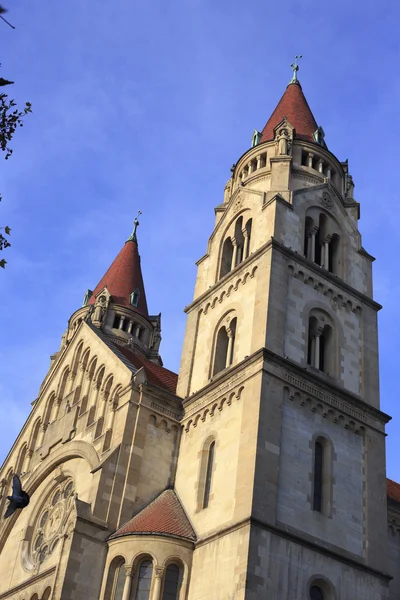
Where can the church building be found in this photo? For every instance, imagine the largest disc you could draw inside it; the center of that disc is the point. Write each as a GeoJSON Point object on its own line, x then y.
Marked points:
{"type": "Point", "coordinates": [256, 473]}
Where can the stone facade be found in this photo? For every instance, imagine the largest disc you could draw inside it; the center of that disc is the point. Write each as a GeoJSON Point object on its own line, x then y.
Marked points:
{"type": "Point", "coordinates": [279, 366]}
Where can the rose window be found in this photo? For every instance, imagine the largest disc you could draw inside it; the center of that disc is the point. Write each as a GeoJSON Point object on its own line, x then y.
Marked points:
{"type": "Point", "coordinates": [51, 522]}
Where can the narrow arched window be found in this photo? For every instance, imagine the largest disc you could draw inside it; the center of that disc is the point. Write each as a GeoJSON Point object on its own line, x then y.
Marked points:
{"type": "Point", "coordinates": [143, 586]}
{"type": "Point", "coordinates": [115, 579]}
{"type": "Point", "coordinates": [226, 259]}
{"type": "Point", "coordinates": [316, 593]}
{"type": "Point", "coordinates": [171, 583]}
{"type": "Point", "coordinates": [221, 350]}
{"type": "Point", "coordinates": [334, 254]}
{"type": "Point", "coordinates": [318, 476]}
{"type": "Point", "coordinates": [209, 471]}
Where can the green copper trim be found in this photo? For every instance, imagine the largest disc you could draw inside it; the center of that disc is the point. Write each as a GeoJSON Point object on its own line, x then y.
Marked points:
{"type": "Point", "coordinates": [87, 297]}
{"type": "Point", "coordinates": [132, 237]}
{"type": "Point", "coordinates": [255, 138]}
{"type": "Point", "coordinates": [134, 298]}
{"type": "Point", "coordinates": [295, 68]}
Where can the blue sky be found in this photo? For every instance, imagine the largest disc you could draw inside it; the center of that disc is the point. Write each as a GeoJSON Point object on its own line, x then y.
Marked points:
{"type": "Point", "coordinates": [146, 105]}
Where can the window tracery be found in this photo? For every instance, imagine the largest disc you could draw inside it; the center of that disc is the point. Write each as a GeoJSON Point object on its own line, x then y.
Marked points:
{"type": "Point", "coordinates": [51, 522]}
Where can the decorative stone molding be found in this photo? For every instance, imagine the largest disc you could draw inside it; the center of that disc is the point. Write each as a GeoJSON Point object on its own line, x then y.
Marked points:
{"type": "Point", "coordinates": [232, 287]}
{"type": "Point", "coordinates": [326, 200]}
{"type": "Point", "coordinates": [210, 409]}
{"type": "Point", "coordinates": [338, 299]}
{"type": "Point", "coordinates": [159, 572]}
{"type": "Point", "coordinates": [166, 411]}
{"type": "Point", "coordinates": [339, 413]}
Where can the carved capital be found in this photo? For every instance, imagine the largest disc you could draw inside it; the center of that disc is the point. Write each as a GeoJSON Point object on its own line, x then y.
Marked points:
{"type": "Point", "coordinates": [159, 572]}
{"type": "Point", "coordinates": [129, 570]}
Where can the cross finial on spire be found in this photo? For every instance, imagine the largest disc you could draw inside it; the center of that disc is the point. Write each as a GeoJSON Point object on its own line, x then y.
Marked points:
{"type": "Point", "coordinates": [295, 68]}
{"type": "Point", "coordinates": [132, 237]}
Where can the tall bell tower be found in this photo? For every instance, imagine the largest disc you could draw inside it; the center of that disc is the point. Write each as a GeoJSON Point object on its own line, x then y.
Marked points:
{"type": "Point", "coordinates": [282, 458]}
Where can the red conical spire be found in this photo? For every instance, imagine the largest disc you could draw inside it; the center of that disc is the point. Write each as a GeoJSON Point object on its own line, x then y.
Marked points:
{"type": "Point", "coordinates": [125, 277]}
{"type": "Point", "coordinates": [293, 105]}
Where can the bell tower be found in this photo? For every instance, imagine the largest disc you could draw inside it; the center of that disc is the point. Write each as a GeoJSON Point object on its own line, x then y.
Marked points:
{"type": "Point", "coordinates": [279, 376]}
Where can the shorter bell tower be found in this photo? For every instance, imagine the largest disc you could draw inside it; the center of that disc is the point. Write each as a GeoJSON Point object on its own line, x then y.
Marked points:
{"type": "Point", "coordinates": [118, 306]}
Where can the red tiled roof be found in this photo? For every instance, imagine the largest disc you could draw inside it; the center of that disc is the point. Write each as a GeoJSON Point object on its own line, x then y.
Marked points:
{"type": "Point", "coordinates": [156, 375]}
{"type": "Point", "coordinates": [294, 106]}
{"type": "Point", "coordinates": [164, 515]}
{"type": "Point", "coordinates": [393, 489]}
{"type": "Point", "coordinates": [124, 277]}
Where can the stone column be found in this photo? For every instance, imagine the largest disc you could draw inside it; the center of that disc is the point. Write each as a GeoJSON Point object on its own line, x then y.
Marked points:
{"type": "Point", "coordinates": [130, 325]}
{"type": "Point", "coordinates": [243, 175]}
{"type": "Point", "coordinates": [70, 384]}
{"type": "Point", "coordinates": [234, 255]}
{"type": "Point", "coordinates": [329, 173]}
{"type": "Point", "coordinates": [246, 243]}
{"type": "Point", "coordinates": [317, 347]}
{"type": "Point", "coordinates": [94, 403]}
{"type": "Point", "coordinates": [111, 418]}
{"type": "Point", "coordinates": [326, 252]}
{"type": "Point", "coordinates": [86, 388]}
{"type": "Point", "coordinates": [103, 406]}
{"type": "Point", "coordinates": [258, 159]}
{"type": "Point", "coordinates": [137, 331]}
{"type": "Point", "coordinates": [310, 159]}
{"type": "Point", "coordinates": [230, 347]}
{"type": "Point", "coordinates": [320, 165]}
{"type": "Point", "coordinates": [58, 401]}
{"type": "Point", "coordinates": [249, 168]}
{"type": "Point", "coordinates": [27, 461]}
{"type": "Point", "coordinates": [159, 572]}
{"type": "Point", "coordinates": [42, 431]}
{"type": "Point", "coordinates": [80, 382]}
{"type": "Point", "coordinates": [121, 322]}
{"type": "Point", "coordinates": [128, 582]}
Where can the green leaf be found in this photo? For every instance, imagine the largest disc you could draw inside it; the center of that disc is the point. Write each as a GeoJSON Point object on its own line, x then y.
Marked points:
{"type": "Point", "coordinates": [7, 230]}
{"type": "Point", "coordinates": [3, 263]}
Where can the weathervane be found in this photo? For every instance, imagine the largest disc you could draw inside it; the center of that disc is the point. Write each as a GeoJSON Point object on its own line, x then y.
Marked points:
{"type": "Point", "coordinates": [135, 223]}
{"type": "Point", "coordinates": [295, 68]}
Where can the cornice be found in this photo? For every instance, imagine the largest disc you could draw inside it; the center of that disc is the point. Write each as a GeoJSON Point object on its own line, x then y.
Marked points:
{"type": "Point", "coordinates": [283, 531]}
{"type": "Point", "coordinates": [28, 583]}
{"type": "Point", "coordinates": [229, 276]}
{"type": "Point", "coordinates": [323, 390]}
{"type": "Point", "coordinates": [324, 274]}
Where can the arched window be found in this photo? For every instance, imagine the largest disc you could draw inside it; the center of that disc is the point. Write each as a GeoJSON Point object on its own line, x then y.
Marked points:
{"type": "Point", "coordinates": [115, 580]}
{"type": "Point", "coordinates": [321, 344]}
{"type": "Point", "coordinates": [221, 350]}
{"type": "Point", "coordinates": [316, 593]}
{"type": "Point", "coordinates": [226, 260]}
{"type": "Point", "coordinates": [209, 471]}
{"type": "Point", "coordinates": [46, 594]}
{"type": "Point", "coordinates": [143, 584]}
{"type": "Point", "coordinates": [225, 346]}
{"type": "Point", "coordinates": [322, 476]}
{"type": "Point", "coordinates": [334, 254]}
{"type": "Point", "coordinates": [171, 583]}
{"type": "Point", "coordinates": [321, 241]}
{"type": "Point", "coordinates": [318, 473]}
